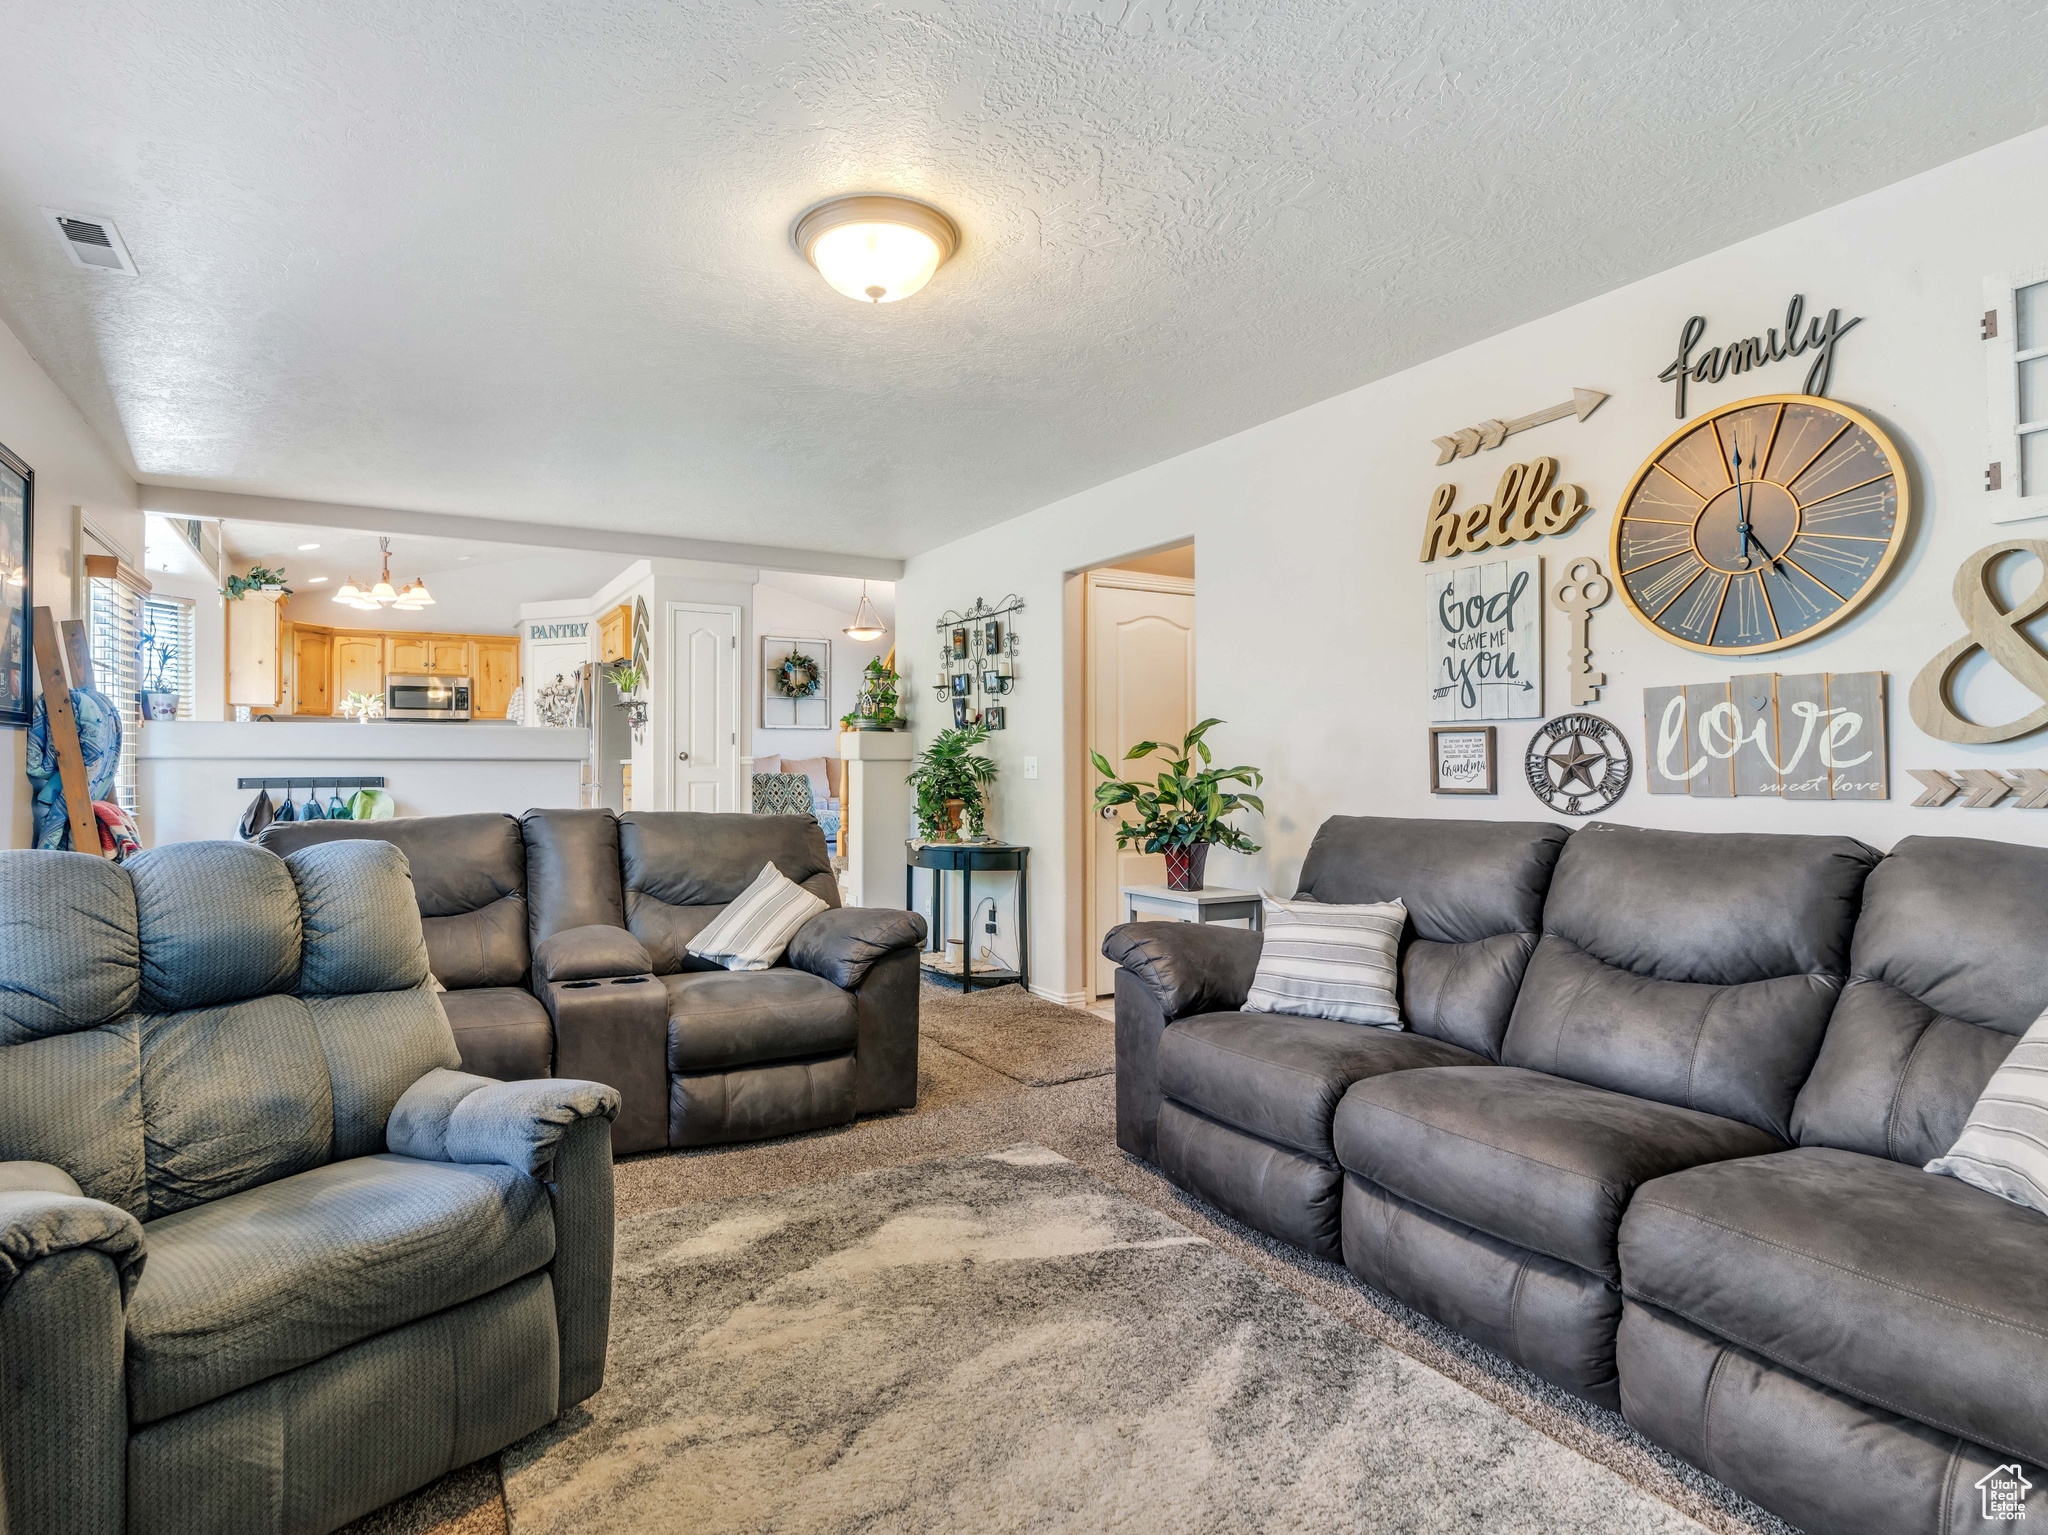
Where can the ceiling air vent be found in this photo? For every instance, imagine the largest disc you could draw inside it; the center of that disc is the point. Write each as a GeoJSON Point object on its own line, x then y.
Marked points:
{"type": "Point", "coordinates": [91, 242]}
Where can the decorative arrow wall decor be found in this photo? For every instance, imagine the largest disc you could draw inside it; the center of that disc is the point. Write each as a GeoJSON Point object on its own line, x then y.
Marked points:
{"type": "Point", "coordinates": [1493, 432]}
{"type": "Point", "coordinates": [1982, 788]}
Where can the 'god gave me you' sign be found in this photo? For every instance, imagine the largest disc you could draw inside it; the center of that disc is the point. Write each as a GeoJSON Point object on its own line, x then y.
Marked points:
{"type": "Point", "coordinates": [1486, 640]}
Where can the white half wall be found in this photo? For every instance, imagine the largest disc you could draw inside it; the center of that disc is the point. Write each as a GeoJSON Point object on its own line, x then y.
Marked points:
{"type": "Point", "coordinates": [1307, 529]}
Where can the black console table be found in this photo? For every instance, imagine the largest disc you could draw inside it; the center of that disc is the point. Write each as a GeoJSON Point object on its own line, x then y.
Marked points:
{"type": "Point", "coordinates": [968, 859]}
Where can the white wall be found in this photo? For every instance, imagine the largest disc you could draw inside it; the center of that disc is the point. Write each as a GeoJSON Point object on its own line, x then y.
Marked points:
{"type": "Point", "coordinates": [73, 468]}
{"type": "Point", "coordinates": [786, 615]}
{"type": "Point", "coordinates": [1309, 595]}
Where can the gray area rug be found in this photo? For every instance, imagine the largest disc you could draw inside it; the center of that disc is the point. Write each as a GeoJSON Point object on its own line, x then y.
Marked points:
{"type": "Point", "coordinates": [1026, 1038]}
{"type": "Point", "coordinates": [1001, 1342]}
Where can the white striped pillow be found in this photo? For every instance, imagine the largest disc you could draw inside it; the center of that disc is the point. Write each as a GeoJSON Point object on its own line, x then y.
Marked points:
{"type": "Point", "coordinates": [752, 932]}
{"type": "Point", "coordinates": [1338, 962]}
{"type": "Point", "coordinates": [2003, 1150]}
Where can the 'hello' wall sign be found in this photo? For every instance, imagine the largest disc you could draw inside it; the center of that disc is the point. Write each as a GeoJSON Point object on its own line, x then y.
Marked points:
{"type": "Point", "coordinates": [1524, 506]}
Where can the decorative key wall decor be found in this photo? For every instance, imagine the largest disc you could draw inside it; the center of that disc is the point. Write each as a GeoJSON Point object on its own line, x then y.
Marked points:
{"type": "Point", "coordinates": [1819, 735]}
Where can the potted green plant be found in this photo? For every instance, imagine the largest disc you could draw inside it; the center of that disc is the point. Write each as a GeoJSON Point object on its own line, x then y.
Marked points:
{"type": "Point", "coordinates": [876, 706]}
{"type": "Point", "coordinates": [261, 578]}
{"type": "Point", "coordinates": [156, 653]}
{"type": "Point", "coordinates": [1182, 812]}
{"type": "Point", "coordinates": [951, 782]}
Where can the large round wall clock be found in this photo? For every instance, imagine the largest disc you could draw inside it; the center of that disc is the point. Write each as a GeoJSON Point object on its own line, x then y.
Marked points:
{"type": "Point", "coordinates": [1760, 524]}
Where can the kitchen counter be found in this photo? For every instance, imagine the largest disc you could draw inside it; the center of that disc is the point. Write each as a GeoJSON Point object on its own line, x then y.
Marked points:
{"type": "Point", "coordinates": [186, 770]}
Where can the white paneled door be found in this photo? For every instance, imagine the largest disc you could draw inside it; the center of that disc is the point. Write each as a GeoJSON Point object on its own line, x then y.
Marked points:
{"type": "Point", "coordinates": [704, 773]}
{"type": "Point", "coordinates": [1141, 687]}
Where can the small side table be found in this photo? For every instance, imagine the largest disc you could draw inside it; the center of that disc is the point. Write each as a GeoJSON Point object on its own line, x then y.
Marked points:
{"type": "Point", "coordinates": [1212, 905]}
{"type": "Point", "coordinates": [967, 859]}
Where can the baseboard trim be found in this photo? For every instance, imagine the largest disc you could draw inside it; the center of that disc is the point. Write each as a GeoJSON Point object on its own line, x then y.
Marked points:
{"type": "Point", "coordinates": [1063, 998]}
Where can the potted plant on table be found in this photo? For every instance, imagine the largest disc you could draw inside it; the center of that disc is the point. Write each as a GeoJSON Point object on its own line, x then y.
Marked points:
{"type": "Point", "coordinates": [952, 782]}
{"type": "Point", "coordinates": [1181, 813]}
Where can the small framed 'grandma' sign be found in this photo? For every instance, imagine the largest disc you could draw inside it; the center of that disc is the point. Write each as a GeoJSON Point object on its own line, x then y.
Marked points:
{"type": "Point", "coordinates": [1461, 760]}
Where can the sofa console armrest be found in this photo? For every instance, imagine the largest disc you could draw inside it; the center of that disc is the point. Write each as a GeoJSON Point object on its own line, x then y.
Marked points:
{"type": "Point", "coordinates": [67, 1267]}
{"type": "Point", "coordinates": [1187, 966]}
{"type": "Point", "coordinates": [841, 944]}
{"type": "Point", "coordinates": [451, 1116]}
{"type": "Point", "coordinates": [587, 954]}
{"type": "Point", "coordinates": [615, 1030]}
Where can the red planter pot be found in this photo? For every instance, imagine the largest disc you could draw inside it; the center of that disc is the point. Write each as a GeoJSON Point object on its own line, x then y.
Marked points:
{"type": "Point", "coordinates": [1185, 866]}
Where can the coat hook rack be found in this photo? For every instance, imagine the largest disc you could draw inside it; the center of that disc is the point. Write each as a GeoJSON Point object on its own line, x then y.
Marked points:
{"type": "Point", "coordinates": [310, 783]}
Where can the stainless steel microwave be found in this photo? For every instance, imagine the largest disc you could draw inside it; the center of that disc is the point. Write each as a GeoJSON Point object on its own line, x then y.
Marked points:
{"type": "Point", "coordinates": [426, 698]}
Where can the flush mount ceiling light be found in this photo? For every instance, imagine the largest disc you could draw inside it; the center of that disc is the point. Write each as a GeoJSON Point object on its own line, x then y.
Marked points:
{"type": "Point", "coordinates": [876, 249]}
{"type": "Point", "coordinates": [867, 623]}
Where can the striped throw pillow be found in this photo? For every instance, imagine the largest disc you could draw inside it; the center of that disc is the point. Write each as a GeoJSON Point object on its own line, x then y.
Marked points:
{"type": "Point", "coordinates": [1339, 962]}
{"type": "Point", "coordinates": [752, 932]}
{"type": "Point", "coordinates": [2003, 1150]}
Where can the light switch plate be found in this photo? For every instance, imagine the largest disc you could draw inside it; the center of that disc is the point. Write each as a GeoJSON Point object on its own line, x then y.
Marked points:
{"type": "Point", "coordinates": [1030, 767]}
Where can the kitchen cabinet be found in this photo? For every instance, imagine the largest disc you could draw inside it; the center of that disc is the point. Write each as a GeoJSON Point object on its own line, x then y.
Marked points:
{"type": "Point", "coordinates": [448, 655]}
{"type": "Point", "coordinates": [494, 677]}
{"type": "Point", "coordinates": [312, 680]}
{"type": "Point", "coordinates": [358, 665]}
{"type": "Point", "coordinates": [406, 654]}
{"type": "Point", "coordinates": [255, 650]}
{"type": "Point", "coordinates": [615, 634]}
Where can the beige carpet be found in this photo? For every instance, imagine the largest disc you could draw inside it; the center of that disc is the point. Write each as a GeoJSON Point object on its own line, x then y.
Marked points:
{"type": "Point", "coordinates": [1024, 1037]}
{"type": "Point", "coordinates": [963, 1107]}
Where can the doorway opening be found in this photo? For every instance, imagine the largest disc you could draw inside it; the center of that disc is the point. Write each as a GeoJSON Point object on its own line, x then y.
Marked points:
{"type": "Point", "coordinates": [1137, 683]}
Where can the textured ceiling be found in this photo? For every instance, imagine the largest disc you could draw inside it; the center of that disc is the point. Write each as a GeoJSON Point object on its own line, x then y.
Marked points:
{"type": "Point", "coordinates": [531, 260]}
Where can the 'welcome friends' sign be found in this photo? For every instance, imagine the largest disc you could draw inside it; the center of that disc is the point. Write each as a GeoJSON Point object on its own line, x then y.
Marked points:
{"type": "Point", "coordinates": [1486, 641]}
{"type": "Point", "coordinates": [1820, 735]}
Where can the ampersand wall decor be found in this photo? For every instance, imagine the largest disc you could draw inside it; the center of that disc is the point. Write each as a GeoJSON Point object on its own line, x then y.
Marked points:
{"type": "Point", "coordinates": [1996, 632]}
{"type": "Point", "coordinates": [1583, 589]}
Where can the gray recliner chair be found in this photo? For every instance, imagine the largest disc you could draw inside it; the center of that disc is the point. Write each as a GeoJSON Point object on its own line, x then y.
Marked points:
{"type": "Point", "coordinates": [266, 1261]}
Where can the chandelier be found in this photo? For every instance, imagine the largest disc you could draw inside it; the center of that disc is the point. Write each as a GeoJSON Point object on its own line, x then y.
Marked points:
{"type": "Point", "coordinates": [409, 598]}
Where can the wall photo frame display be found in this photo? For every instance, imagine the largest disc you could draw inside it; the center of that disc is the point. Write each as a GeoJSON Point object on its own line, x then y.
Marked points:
{"type": "Point", "coordinates": [796, 683]}
{"type": "Point", "coordinates": [17, 588]}
{"type": "Point", "coordinates": [1462, 760]}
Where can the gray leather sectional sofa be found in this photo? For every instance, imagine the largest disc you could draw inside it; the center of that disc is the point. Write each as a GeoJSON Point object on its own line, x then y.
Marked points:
{"type": "Point", "coordinates": [560, 936]}
{"type": "Point", "coordinates": [267, 1261]}
{"type": "Point", "coordinates": [1655, 1132]}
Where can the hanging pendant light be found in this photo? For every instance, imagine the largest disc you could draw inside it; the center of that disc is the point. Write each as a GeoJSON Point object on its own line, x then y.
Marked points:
{"type": "Point", "coordinates": [867, 623]}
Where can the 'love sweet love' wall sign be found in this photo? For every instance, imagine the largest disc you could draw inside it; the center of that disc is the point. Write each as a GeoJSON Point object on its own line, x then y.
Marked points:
{"type": "Point", "coordinates": [1820, 735]}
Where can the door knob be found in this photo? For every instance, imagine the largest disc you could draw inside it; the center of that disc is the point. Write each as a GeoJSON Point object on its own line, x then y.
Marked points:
{"type": "Point", "coordinates": [682, 756]}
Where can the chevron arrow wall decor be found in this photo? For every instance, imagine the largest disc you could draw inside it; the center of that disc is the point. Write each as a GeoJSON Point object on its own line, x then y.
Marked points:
{"type": "Point", "coordinates": [1492, 432]}
{"type": "Point", "coordinates": [1982, 788]}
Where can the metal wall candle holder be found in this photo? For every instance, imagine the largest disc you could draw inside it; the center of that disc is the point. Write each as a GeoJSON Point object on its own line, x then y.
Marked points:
{"type": "Point", "coordinates": [977, 651]}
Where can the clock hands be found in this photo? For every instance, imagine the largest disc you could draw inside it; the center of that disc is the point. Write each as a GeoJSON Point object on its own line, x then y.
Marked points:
{"type": "Point", "coordinates": [1742, 511]}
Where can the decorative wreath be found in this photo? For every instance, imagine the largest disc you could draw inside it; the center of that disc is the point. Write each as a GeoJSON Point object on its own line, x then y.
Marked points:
{"type": "Point", "coordinates": [797, 676]}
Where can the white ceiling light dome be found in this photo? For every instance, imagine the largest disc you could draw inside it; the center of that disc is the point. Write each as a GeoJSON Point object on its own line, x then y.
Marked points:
{"type": "Point", "coordinates": [876, 249]}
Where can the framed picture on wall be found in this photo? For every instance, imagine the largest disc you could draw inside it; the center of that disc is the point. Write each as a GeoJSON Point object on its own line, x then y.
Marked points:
{"type": "Point", "coordinates": [796, 683]}
{"type": "Point", "coordinates": [992, 718]}
{"type": "Point", "coordinates": [17, 587]}
{"type": "Point", "coordinates": [1461, 760]}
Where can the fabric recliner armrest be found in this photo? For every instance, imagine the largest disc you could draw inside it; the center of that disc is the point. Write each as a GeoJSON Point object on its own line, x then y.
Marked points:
{"type": "Point", "coordinates": [1188, 967]}
{"type": "Point", "coordinates": [68, 1265]}
{"type": "Point", "coordinates": [842, 944]}
{"type": "Point", "coordinates": [590, 953]}
{"type": "Point", "coordinates": [451, 1116]}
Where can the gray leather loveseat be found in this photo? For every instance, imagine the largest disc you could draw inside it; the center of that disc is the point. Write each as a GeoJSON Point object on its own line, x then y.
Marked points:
{"type": "Point", "coordinates": [1655, 1132]}
{"type": "Point", "coordinates": [266, 1260]}
{"type": "Point", "coordinates": [591, 912]}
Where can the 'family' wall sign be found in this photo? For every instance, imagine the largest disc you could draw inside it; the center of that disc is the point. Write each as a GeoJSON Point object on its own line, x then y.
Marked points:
{"type": "Point", "coordinates": [1486, 641]}
{"type": "Point", "coordinates": [1717, 362]}
{"type": "Point", "coordinates": [1819, 735]}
